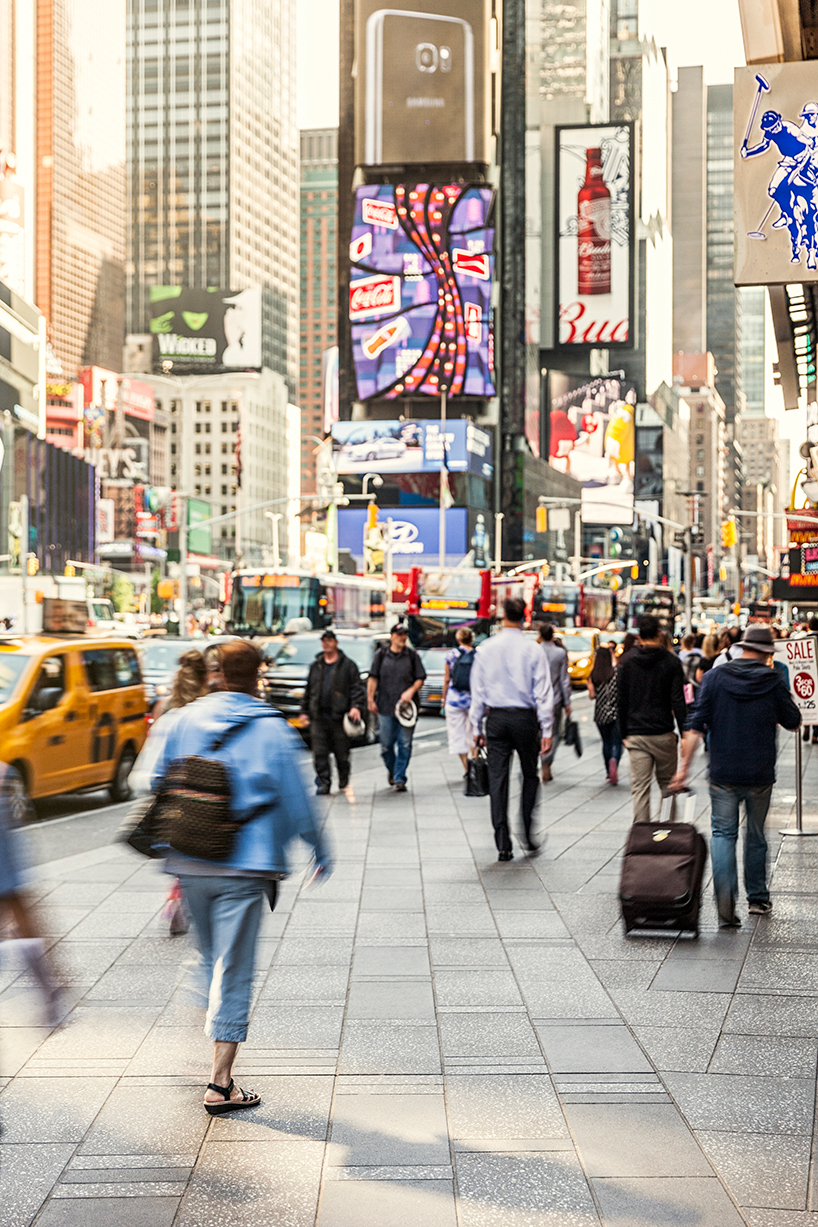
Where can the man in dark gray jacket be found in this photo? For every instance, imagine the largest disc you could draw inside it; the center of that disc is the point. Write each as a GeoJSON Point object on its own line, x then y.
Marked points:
{"type": "Point", "coordinates": [334, 688]}
{"type": "Point", "coordinates": [557, 658]}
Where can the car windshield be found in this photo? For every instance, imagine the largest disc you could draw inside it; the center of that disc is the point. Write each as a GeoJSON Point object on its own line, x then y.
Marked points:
{"type": "Point", "coordinates": [576, 643]}
{"type": "Point", "coordinates": [304, 651]}
{"type": "Point", "coordinates": [11, 668]}
{"type": "Point", "coordinates": [161, 656]}
{"type": "Point", "coordinates": [434, 659]}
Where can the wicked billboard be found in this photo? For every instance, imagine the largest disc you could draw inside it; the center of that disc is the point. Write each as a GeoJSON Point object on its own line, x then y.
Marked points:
{"type": "Point", "coordinates": [205, 330]}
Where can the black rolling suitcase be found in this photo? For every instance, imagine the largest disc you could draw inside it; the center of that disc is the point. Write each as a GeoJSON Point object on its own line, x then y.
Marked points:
{"type": "Point", "coordinates": [662, 869]}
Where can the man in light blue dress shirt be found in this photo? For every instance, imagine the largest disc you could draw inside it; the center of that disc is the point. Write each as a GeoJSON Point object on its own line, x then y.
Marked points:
{"type": "Point", "coordinates": [511, 688]}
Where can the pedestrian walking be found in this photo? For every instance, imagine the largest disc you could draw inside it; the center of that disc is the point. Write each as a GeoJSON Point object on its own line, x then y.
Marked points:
{"type": "Point", "coordinates": [269, 801]}
{"type": "Point", "coordinates": [334, 690]}
{"type": "Point", "coordinates": [602, 688]}
{"type": "Point", "coordinates": [740, 706]}
{"type": "Point", "coordinates": [729, 647]}
{"type": "Point", "coordinates": [457, 695]}
{"type": "Point", "coordinates": [396, 676]}
{"type": "Point", "coordinates": [511, 688]}
{"type": "Point", "coordinates": [650, 694]}
{"type": "Point", "coordinates": [557, 658]}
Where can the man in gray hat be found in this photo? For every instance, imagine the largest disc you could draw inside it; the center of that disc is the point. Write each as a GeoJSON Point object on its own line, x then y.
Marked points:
{"type": "Point", "coordinates": [740, 705]}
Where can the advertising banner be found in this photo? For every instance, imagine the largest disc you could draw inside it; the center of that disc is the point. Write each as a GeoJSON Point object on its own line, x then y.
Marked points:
{"type": "Point", "coordinates": [420, 290]}
{"type": "Point", "coordinates": [423, 82]}
{"type": "Point", "coordinates": [803, 526]}
{"type": "Point", "coordinates": [415, 534]}
{"type": "Point", "coordinates": [411, 447]}
{"type": "Point", "coordinates": [775, 117]}
{"type": "Point", "coordinates": [801, 660]}
{"type": "Point", "coordinates": [12, 235]}
{"type": "Point", "coordinates": [198, 539]}
{"type": "Point", "coordinates": [594, 240]}
{"type": "Point", "coordinates": [205, 330]}
{"type": "Point", "coordinates": [592, 437]}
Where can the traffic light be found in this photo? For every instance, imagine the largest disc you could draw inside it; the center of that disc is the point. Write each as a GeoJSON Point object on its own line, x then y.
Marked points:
{"type": "Point", "coordinates": [635, 571]}
{"type": "Point", "coordinates": [33, 565]}
{"type": "Point", "coordinates": [696, 534]}
{"type": "Point", "coordinates": [541, 519]}
{"type": "Point", "coordinates": [615, 537]}
{"type": "Point", "coordinates": [371, 515]}
{"type": "Point", "coordinates": [70, 570]}
{"type": "Point", "coordinates": [728, 534]}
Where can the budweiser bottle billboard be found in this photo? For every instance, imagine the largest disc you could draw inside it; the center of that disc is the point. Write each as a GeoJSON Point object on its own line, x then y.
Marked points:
{"type": "Point", "coordinates": [593, 229]}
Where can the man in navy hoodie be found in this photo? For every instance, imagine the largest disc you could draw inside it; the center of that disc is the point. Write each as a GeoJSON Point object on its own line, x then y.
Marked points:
{"type": "Point", "coordinates": [740, 705]}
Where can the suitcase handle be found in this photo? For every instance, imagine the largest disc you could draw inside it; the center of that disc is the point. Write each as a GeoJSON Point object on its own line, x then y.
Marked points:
{"type": "Point", "coordinates": [668, 810]}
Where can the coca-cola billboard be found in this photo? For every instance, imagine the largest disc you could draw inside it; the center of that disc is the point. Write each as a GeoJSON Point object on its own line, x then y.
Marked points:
{"type": "Point", "coordinates": [374, 296]}
{"type": "Point", "coordinates": [594, 239]}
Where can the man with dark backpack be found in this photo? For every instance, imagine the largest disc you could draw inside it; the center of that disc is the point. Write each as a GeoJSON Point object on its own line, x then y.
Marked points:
{"type": "Point", "coordinates": [557, 658]}
{"type": "Point", "coordinates": [457, 695]}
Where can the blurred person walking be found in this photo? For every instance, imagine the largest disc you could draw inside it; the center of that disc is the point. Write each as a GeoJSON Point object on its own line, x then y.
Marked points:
{"type": "Point", "coordinates": [396, 676]}
{"type": "Point", "coordinates": [457, 695]}
{"type": "Point", "coordinates": [602, 688]}
{"type": "Point", "coordinates": [649, 695]}
{"type": "Point", "coordinates": [740, 707]}
{"type": "Point", "coordinates": [511, 688]}
{"type": "Point", "coordinates": [557, 658]}
{"type": "Point", "coordinates": [272, 806]}
{"type": "Point", "coordinates": [334, 690]}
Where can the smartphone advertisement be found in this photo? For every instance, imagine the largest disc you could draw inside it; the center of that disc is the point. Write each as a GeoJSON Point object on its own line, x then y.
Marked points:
{"type": "Point", "coordinates": [422, 260]}
{"type": "Point", "coordinates": [422, 90]}
{"type": "Point", "coordinates": [594, 234]}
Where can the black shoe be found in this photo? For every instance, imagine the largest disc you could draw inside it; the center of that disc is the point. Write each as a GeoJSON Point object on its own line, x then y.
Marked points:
{"type": "Point", "coordinates": [322, 792]}
{"type": "Point", "coordinates": [756, 908]}
{"type": "Point", "coordinates": [505, 856]}
{"type": "Point", "coordinates": [733, 923]}
{"type": "Point", "coordinates": [391, 779]}
{"type": "Point", "coordinates": [342, 784]}
{"type": "Point", "coordinates": [400, 786]}
{"type": "Point", "coordinates": [531, 848]}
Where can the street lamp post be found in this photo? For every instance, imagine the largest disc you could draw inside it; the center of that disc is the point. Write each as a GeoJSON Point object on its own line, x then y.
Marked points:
{"type": "Point", "coordinates": [274, 517]}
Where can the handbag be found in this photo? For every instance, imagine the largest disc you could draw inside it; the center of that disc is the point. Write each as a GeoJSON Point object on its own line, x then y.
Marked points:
{"type": "Point", "coordinates": [142, 828]}
{"type": "Point", "coordinates": [571, 737]}
{"type": "Point", "coordinates": [477, 775]}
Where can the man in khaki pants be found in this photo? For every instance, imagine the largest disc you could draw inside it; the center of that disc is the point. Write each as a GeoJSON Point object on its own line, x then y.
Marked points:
{"type": "Point", "coordinates": [650, 695]}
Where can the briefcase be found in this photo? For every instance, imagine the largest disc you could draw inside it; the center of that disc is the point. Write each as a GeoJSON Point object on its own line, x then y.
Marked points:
{"type": "Point", "coordinates": [571, 737]}
{"type": "Point", "coordinates": [477, 776]}
{"type": "Point", "coordinates": [662, 870]}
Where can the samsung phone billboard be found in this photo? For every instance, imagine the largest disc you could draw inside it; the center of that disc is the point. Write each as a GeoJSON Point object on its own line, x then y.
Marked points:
{"type": "Point", "coordinates": [411, 447]}
{"type": "Point", "coordinates": [205, 331]}
{"type": "Point", "coordinates": [422, 84]}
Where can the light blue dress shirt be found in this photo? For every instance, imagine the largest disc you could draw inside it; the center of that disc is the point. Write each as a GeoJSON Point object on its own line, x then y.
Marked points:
{"type": "Point", "coordinates": [511, 670]}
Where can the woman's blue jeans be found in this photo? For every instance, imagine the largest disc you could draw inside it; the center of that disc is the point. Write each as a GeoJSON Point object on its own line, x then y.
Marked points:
{"type": "Point", "coordinates": [396, 746]}
{"type": "Point", "coordinates": [725, 800]}
{"type": "Point", "coordinates": [611, 742]}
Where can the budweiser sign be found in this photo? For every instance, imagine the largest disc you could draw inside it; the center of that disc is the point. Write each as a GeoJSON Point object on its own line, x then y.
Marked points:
{"type": "Point", "coordinates": [374, 296]}
{"type": "Point", "coordinates": [380, 213]}
{"type": "Point", "coordinates": [472, 263]}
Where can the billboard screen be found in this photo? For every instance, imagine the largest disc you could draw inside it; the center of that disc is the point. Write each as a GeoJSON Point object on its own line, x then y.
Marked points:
{"type": "Point", "coordinates": [205, 330]}
{"type": "Point", "coordinates": [422, 86]}
{"type": "Point", "coordinates": [775, 121]}
{"type": "Point", "coordinates": [592, 437]}
{"type": "Point", "coordinates": [594, 241]}
{"type": "Point", "coordinates": [420, 290]}
{"type": "Point", "coordinates": [415, 534]}
{"type": "Point", "coordinates": [411, 447]}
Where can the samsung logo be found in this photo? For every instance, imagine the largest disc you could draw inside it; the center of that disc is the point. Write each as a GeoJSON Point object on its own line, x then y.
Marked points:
{"type": "Point", "coordinates": [429, 103]}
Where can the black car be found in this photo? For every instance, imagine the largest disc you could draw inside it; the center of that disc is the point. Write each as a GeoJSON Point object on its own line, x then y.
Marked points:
{"type": "Point", "coordinates": [286, 679]}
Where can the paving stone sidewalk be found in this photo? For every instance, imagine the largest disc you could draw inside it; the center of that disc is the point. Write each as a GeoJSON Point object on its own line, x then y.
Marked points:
{"type": "Point", "coordinates": [440, 1040]}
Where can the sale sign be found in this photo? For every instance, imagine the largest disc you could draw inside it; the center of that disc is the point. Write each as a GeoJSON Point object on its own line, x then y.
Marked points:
{"type": "Point", "coordinates": [801, 660]}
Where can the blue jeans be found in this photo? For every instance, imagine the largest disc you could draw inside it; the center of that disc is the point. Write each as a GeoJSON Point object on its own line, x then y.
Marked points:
{"type": "Point", "coordinates": [725, 800]}
{"type": "Point", "coordinates": [611, 742]}
{"type": "Point", "coordinates": [226, 916]}
{"type": "Point", "coordinates": [396, 747]}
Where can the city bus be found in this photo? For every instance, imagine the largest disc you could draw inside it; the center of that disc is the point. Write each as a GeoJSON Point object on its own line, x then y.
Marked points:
{"type": "Point", "coordinates": [653, 599]}
{"type": "Point", "coordinates": [562, 604]}
{"type": "Point", "coordinates": [440, 602]}
{"type": "Point", "coordinates": [265, 601]}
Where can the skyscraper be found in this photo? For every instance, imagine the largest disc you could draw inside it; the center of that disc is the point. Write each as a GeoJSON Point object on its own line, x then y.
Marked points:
{"type": "Point", "coordinates": [80, 186]}
{"type": "Point", "coordinates": [319, 259]}
{"type": "Point", "coordinates": [213, 158]}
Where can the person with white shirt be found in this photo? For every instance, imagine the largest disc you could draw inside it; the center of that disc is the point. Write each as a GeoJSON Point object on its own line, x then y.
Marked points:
{"type": "Point", "coordinates": [511, 688]}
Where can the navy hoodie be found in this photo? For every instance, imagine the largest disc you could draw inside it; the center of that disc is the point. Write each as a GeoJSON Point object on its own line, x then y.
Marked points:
{"type": "Point", "coordinates": [740, 704]}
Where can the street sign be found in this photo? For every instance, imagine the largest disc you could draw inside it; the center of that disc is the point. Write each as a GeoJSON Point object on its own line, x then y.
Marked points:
{"type": "Point", "coordinates": [801, 660]}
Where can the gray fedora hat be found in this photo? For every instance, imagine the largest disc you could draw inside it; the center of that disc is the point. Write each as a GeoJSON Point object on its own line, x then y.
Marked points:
{"type": "Point", "coordinates": [758, 639]}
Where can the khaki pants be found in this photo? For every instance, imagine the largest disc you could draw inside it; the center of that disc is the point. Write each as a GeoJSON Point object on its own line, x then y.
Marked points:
{"type": "Point", "coordinates": [646, 753]}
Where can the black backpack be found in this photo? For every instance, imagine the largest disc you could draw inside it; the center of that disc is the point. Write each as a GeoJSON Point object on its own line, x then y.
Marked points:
{"type": "Point", "coordinates": [461, 671]}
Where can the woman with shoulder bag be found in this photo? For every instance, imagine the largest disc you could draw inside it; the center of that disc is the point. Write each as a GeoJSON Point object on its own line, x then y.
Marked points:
{"type": "Point", "coordinates": [457, 696]}
{"type": "Point", "coordinates": [602, 689]}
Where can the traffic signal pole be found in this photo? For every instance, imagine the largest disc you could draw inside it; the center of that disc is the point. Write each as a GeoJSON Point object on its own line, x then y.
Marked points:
{"type": "Point", "coordinates": [688, 580]}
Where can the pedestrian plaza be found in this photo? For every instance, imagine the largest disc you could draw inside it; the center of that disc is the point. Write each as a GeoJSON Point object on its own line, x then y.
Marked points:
{"type": "Point", "coordinates": [439, 1040]}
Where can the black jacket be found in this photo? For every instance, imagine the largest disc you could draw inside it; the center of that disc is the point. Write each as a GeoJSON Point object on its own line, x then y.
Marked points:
{"type": "Point", "coordinates": [651, 693]}
{"type": "Point", "coordinates": [740, 704]}
{"type": "Point", "coordinates": [347, 688]}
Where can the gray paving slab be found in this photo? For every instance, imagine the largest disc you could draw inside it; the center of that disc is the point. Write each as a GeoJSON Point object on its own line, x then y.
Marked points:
{"type": "Point", "coordinates": [254, 1184]}
{"type": "Point", "coordinates": [389, 961]}
{"type": "Point", "coordinates": [405, 1203]}
{"type": "Point", "coordinates": [527, 1190]}
{"type": "Point", "coordinates": [519, 1106]}
{"type": "Point", "coordinates": [759, 1014]}
{"type": "Point", "coordinates": [589, 1049]}
{"type": "Point", "coordinates": [766, 1170]}
{"type": "Point", "coordinates": [103, 1211]}
{"type": "Point", "coordinates": [620, 1140]}
{"type": "Point", "coordinates": [490, 1034]}
{"type": "Point", "coordinates": [389, 1129]}
{"type": "Point", "coordinates": [687, 975]}
{"type": "Point", "coordinates": [666, 1203]}
{"type": "Point", "coordinates": [391, 999]}
{"type": "Point", "coordinates": [730, 1101]}
{"type": "Point", "coordinates": [765, 1056]}
{"type": "Point", "coordinates": [688, 1049]}
{"type": "Point", "coordinates": [384, 1047]}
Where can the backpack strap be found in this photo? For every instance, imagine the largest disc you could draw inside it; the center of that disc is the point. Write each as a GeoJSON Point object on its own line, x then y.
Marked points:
{"type": "Point", "coordinates": [230, 732]}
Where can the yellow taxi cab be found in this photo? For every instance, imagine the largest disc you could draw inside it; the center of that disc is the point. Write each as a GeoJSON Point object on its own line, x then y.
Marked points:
{"type": "Point", "coordinates": [72, 712]}
{"type": "Point", "coordinates": [581, 644]}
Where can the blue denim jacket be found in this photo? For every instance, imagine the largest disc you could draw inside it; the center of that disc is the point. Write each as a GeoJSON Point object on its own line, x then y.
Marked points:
{"type": "Point", "coordinates": [264, 761]}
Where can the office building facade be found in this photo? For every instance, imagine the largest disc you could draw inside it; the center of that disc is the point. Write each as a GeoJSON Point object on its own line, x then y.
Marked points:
{"type": "Point", "coordinates": [319, 274]}
{"type": "Point", "coordinates": [212, 151]}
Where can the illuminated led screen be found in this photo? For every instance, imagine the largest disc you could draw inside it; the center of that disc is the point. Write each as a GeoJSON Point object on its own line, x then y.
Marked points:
{"type": "Point", "coordinates": [420, 290]}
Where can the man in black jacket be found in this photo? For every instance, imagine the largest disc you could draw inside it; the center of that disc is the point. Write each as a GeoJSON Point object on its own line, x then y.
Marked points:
{"type": "Point", "coordinates": [650, 694]}
{"type": "Point", "coordinates": [334, 688]}
{"type": "Point", "coordinates": [740, 705]}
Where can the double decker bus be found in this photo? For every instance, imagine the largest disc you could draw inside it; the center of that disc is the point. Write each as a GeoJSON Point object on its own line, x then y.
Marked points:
{"type": "Point", "coordinates": [653, 599]}
{"type": "Point", "coordinates": [266, 601]}
{"type": "Point", "coordinates": [562, 604]}
{"type": "Point", "coordinates": [440, 602]}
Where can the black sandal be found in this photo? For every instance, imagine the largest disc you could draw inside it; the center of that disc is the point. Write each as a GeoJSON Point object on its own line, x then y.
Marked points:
{"type": "Point", "coordinates": [249, 1099]}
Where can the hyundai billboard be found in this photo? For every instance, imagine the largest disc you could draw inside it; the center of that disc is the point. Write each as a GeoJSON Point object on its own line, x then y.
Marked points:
{"type": "Point", "coordinates": [411, 447]}
{"type": "Point", "coordinates": [422, 260]}
{"type": "Point", "coordinates": [205, 331]}
{"type": "Point", "coordinates": [415, 534]}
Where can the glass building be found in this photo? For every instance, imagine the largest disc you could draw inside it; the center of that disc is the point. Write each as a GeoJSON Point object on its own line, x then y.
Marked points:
{"type": "Point", "coordinates": [213, 158]}
{"type": "Point", "coordinates": [319, 262]}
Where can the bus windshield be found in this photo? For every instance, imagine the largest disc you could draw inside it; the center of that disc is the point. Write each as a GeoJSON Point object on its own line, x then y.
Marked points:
{"type": "Point", "coordinates": [265, 604]}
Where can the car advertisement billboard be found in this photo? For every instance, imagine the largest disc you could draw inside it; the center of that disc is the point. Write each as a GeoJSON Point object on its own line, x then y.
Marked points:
{"type": "Point", "coordinates": [422, 260]}
{"type": "Point", "coordinates": [775, 118]}
{"type": "Point", "coordinates": [422, 83]}
{"type": "Point", "coordinates": [411, 447]}
{"type": "Point", "coordinates": [205, 330]}
{"type": "Point", "coordinates": [592, 437]}
{"type": "Point", "coordinates": [415, 534]}
{"type": "Point", "coordinates": [594, 234]}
